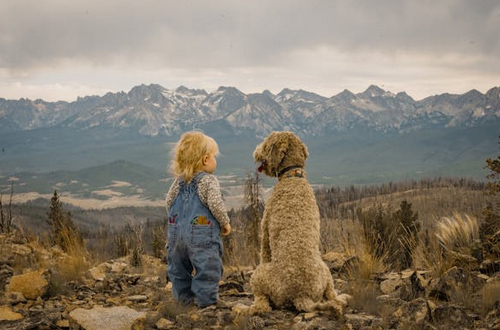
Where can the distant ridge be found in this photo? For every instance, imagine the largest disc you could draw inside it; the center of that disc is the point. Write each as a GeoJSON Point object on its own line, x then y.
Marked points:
{"type": "Point", "coordinates": [152, 110]}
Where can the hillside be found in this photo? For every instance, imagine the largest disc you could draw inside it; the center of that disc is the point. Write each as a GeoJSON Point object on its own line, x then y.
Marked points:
{"type": "Point", "coordinates": [43, 286]}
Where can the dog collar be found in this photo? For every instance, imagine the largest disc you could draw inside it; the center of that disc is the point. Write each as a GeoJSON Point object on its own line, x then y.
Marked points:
{"type": "Point", "coordinates": [295, 171]}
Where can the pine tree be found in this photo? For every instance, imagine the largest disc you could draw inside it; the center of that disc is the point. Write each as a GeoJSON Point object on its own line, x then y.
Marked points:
{"type": "Point", "coordinates": [490, 228]}
{"type": "Point", "coordinates": [64, 233]}
{"type": "Point", "coordinates": [407, 233]}
{"type": "Point", "coordinates": [55, 217]}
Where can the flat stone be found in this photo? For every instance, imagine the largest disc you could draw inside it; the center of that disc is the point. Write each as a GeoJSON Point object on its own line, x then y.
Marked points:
{"type": "Point", "coordinates": [138, 298]}
{"type": "Point", "coordinates": [6, 314]}
{"type": "Point", "coordinates": [114, 318]}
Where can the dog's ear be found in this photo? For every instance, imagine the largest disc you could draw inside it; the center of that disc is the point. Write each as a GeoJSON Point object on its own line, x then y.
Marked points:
{"type": "Point", "coordinates": [278, 149]}
{"type": "Point", "coordinates": [274, 147]}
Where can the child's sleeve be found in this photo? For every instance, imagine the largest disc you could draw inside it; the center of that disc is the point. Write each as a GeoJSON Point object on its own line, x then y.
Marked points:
{"type": "Point", "coordinates": [172, 194]}
{"type": "Point", "coordinates": [209, 192]}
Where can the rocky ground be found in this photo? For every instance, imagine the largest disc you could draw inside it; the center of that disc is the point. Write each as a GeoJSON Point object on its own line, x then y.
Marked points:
{"type": "Point", "coordinates": [114, 295]}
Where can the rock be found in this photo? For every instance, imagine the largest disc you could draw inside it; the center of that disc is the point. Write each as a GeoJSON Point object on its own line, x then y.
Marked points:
{"type": "Point", "coordinates": [489, 267]}
{"type": "Point", "coordinates": [118, 266]}
{"type": "Point", "coordinates": [391, 284]}
{"type": "Point", "coordinates": [411, 314]}
{"type": "Point", "coordinates": [164, 324]}
{"type": "Point", "coordinates": [453, 316]}
{"type": "Point", "coordinates": [32, 285]}
{"type": "Point", "coordinates": [413, 285]}
{"type": "Point", "coordinates": [6, 314]}
{"type": "Point", "coordinates": [6, 273]}
{"type": "Point", "coordinates": [456, 283]}
{"type": "Point", "coordinates": [63, 324]}
{"type": "Point", "coordinates": [98, 273]}
{"type": "Point", "coordinates": [360, 320]}
{"type": "Point", "coordinates": [310, 315]}
{"type": "Point", "coordinates": [231, 286]}
{"type": "Point", "coordinates": [138, 298]}
{"type": "Point", "coordinates": [15, 298]}
{"type": "Point", "coordinates": [392, 301]}
{"type": "Point", "coordinates": [114, 318]}
{"type": "Point", "coordinates": [493, 319]}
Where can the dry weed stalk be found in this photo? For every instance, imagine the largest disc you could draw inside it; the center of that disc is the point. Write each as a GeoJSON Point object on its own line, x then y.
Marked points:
{"type": "Point", "coordinates": [490, 297]}
{"type": "Point", "coordinates": [453, 241]}
{"type": "Point", "coordinates": [458, 233]}
{"type": "Point", "coordinates": [138, 245]}
{"type": "Point", "coordinates": [367, 263]}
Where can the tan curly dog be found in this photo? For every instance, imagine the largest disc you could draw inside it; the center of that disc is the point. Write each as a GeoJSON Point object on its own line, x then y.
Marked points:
{"type": "Point", "coordinates": [292, 273]}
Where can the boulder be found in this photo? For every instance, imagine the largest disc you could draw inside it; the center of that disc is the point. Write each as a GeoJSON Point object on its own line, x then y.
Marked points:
{"type": "Point", "coordinates": [412, 314]}
{"type": "Point", "coordinates": [455, 317]}
{"type": "Point", "coordinates": [114, 318]}
{"type": "Point", "coordinates": [31, 285]}
{"type": "Point", "coordinates": [6, 314]}
{"type": "Point", "coordinates": [455, 283]}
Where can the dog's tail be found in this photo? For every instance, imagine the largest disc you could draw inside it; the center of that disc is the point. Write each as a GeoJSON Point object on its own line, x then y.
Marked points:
{"type": "Point", "coordinates": [332, 301]}
{"type": "Point", "coordinates": [334, 306]}
{"type": "Point", "coordinates": [306, 304]}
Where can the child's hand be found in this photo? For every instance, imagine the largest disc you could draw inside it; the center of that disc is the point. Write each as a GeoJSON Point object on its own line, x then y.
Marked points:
{"type": "Point", "coordinates": [226, 229]}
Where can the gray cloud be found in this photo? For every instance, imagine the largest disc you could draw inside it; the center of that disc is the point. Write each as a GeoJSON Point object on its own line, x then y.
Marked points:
{"type": "Point", "coordinates": [225, 34]}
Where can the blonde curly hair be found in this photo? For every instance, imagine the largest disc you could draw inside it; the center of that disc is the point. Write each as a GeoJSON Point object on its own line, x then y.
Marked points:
{"type": "Point", "coordinates": [187, 156]}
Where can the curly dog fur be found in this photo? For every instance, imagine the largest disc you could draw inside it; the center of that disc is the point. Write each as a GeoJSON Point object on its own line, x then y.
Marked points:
{"type": "Point", "coordinates": [292, 273]}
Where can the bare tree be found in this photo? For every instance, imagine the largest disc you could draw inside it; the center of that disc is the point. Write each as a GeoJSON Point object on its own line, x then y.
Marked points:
{"type": "Point", "coordinates": [254, 210]}
{"type": "Point", "coordinates": [6, 218]}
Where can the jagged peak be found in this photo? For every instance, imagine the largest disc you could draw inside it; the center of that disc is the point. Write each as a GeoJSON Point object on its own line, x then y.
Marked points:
{"type": "Point", "coordinates": [287, 94]}
{"type": "Point", "coordinates": [224, 91]}
{"type": "Point", "coordinates": [228, 89]}
{"type": "Point", "coordinates": [345, 94]}
{"type": "Point", "coordinates": [373, 91]}
{"type": "Point", "coordinates": [493, 92]}
{"type": "Point", "coordinates": [471, 96]}
{"type": "Point", "coordinates": [185, 90]}
{"type": "Point", "coordinates": [268, 93]}
{"type": "Point", "coordinates": [146, 88]}
{"type": "Point", "coordinates": [404, 96]}
{"type": "Point", "coordinates": [182, 89]}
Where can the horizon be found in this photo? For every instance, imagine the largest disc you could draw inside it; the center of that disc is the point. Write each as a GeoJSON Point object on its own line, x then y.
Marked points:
{"type": "Point", "coordinates": [247, 93]}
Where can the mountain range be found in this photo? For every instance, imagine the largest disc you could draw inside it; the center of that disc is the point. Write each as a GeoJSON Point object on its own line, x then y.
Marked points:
{"type": "Point", "coordinates": [156, 111]}
{"type": "Point", "coordinates": [365, 138]}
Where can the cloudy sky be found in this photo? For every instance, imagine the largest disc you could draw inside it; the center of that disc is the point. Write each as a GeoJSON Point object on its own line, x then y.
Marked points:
{"type": "Point", "coordinates": [62, 49]}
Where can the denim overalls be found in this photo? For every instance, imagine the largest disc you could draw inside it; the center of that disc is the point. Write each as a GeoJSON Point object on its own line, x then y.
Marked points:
{"type": "Point", "coordinates": [194, 242]}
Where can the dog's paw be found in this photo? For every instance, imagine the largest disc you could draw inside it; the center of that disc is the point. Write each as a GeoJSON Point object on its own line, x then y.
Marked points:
{"type": "Point", "coordinates": [260, 306]}
{"type": "Point", "coordinates": [259, 310]}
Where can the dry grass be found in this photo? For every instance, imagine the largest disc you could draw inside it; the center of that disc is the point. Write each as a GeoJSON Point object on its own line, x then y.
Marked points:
{"type": "Point", "coordinates": [490, 297]}
{"type": "Point", "coordinates": [458, 233]}
{"type": "Point", "coordinates": [70, 266]}
{"type": "Point", "coordinates": [429, 256]}
{"type": "Point", "coordinates": [347, 236]}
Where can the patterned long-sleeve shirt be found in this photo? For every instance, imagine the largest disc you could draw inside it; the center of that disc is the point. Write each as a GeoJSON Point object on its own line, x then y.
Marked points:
{"type": "Point", "coordinates": [210, 195]}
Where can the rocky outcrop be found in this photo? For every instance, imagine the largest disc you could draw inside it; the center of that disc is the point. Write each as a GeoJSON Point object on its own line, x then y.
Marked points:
{"type": "Point", "coordinates": [115, 295]}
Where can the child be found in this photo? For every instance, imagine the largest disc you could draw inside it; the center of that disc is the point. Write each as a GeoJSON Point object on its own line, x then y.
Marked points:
{"type": "Point", "coordinates": [196, 220]}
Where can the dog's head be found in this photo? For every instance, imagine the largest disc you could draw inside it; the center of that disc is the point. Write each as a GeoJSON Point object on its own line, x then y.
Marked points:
{"type": "Point", "coordinates": [278, 151]}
